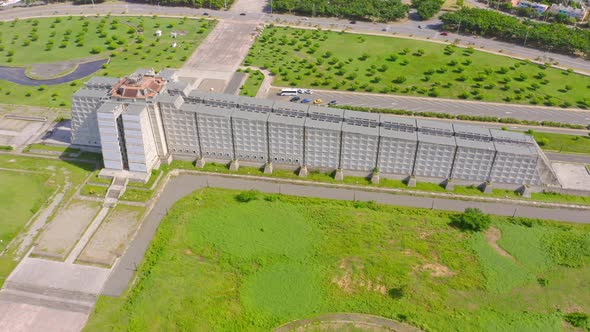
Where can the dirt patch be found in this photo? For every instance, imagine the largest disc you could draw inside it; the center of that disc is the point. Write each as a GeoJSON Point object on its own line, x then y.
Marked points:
{"type": "Point", "coordinates": [349, 282]}
{"type": "Point", "coordinates": [346, 322]}
{"type": "Point", "coordinates": [492, 236]}
{"type": "Point", "coordinates": [438, 270]}
{"type": "Point", "coordinates": [112, 236]}
{"type": "Point", "coordinates": [63, 232]}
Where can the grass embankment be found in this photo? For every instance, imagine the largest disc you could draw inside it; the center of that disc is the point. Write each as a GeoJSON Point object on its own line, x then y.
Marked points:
{"type": "Point", "coordinates": [386, 183]}
{"type": "Point", "coordinates": [219, 264]}
{"type": "Point", "coordinates": [130, 42]}
{"type": "Point", "coordinates": [563, 142]}
{"type": "Point", "coordinates": [252, 84]}
{"type": "Point", "coordinates": [94, 191]}
{"type": "Point", "coordinates": [363, 63]}
{"type": "Point", "coordinates": [23, 194]}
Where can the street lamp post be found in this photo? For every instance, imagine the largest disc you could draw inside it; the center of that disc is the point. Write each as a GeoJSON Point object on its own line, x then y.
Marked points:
{"type": "Point", "coordinates": [526, 35]}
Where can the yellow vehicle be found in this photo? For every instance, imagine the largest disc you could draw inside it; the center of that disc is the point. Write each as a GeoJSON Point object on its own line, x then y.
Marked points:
{"type": "Point", "coordinates": [317, 101]}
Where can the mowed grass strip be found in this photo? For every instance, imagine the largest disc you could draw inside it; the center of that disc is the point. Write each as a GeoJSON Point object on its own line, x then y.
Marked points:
{"type": "Point", "coordinates": [129, 42]}
{"type": "Point", "coordinates": [364, 63]}
{"type": "Point", "coordinates": [252, 84]}
{"type": "Point", "coordinates": [218, 263]}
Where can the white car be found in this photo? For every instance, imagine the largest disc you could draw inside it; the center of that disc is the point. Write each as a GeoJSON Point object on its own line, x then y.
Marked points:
{"type": "Point", "coordinates": [300, 91]}
{"type": "Point", "coordinates": [309, 92]}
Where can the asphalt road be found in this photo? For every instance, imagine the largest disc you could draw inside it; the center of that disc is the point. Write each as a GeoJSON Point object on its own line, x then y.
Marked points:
{"type": "Point", "coordinates": [184, 184]}
{"type": "Point", "coordinates": [456, 107]}
{"type": "Point", "coordinates": [429, 29]}
{"type": "Point", "coordinates": [17, 74]}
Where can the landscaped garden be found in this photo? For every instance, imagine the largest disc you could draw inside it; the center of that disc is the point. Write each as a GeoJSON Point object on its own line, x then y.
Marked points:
{"type": "Point", "coordinates": [362, 63]}
{"type": "Point", "coordinates": [224, 260]}
{"type": "Point", "coordinates": [252, 84]}
{"type": "Point", "coordinates": [130, 43]}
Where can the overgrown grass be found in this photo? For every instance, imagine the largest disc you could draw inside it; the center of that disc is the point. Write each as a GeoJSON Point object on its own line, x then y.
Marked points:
{"type": "Point", "coordinates": [137, 195]}
{"type": "Point", "coordinates": [129, 42]}
{"type": "Point", "coordinates": [219, 264]}
{"type": "Point", "coordinates": [94, 191]}
{"type": "Point", "coordinates": [363, 63]}
{"type": "Point", "coordinates": [252, 84]}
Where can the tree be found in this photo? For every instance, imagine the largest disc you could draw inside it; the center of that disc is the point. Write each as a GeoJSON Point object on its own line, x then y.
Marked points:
{"type": "Point", "coordinates": [426, 9]}
{"type": "Point", "coordinates": [473, 219]}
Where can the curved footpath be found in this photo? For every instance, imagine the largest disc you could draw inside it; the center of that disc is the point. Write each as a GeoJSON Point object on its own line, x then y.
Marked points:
{"type": "Point", "coordinates": [176, 187]}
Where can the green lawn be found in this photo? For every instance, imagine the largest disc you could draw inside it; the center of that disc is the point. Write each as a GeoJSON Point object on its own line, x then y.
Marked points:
{"type": "Point", "coordinates": [21, 196]}
{"type": "Point", "coordinates": [216, 264]}
{"type": "Point", "coordinates": [130, 42]}
{"type": "Point", "coordinates": [363, 63]}
{"type": "Point", "coordinates": [562, 142]}
{"type": "Point", "coordinates": [93, 191]}
{"type": "Point", "coordinates": [252, 84]}
{"type": "Point", "coordinates": [136, 195]}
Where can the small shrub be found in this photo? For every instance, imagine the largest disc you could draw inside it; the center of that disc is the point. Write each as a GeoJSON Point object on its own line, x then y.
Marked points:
{"type": "Point", "coordinates": [579, 320]}
{"type": "Point", "coordinates": [247, 196]}
{"type": "Point", "coordinates": [473, 219]}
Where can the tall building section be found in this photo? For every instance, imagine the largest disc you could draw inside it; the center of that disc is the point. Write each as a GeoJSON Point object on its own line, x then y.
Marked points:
{"type": "Point", "coordinates": [145, 119]}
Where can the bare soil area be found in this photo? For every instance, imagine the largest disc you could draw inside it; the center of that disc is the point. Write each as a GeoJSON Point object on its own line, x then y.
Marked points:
{"type": "Point", "coordinates": [61, 234]}
{"type": "Point", "coordinates": [112, 236]}
{"type": "Point", "coordinates": [492, 236]}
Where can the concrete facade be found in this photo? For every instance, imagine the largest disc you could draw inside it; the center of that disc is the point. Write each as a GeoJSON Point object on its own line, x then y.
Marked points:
{"type": "Point", "coordinates": [205, 126]}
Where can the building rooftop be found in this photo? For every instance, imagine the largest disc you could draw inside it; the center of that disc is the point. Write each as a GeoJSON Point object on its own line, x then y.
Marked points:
{"type": "Point", "coordinates": [138, 86]}
{"type": "Point", "coordinates": [102, 81]}
{"type": "Point", "coordinates": [403, 135]}
{"type": "Point", "coordinates": [214, 111]}
{"type": "Point", "coordinates": [108, 107]}
{"type": "Point", "coordinates": [245, 100]}
{"type": "Point", "coordinates": [363, 130]}
{"type": "Point", "coordinates": [169, 99]}
{"type": "Point", "coordinates": [253, 116]}
{"type": "Point", "coordinates": [135, 109]}
{"type": "Point", "coordinates": [436, 125]}
{"type": "Point", "coordinates": [290, 120]}
{"type": "Point", "coordinates": [440, 140]}
{"type": "Point", "coordinates": [316, 124]}
{"type": "Point", "coordinates": [510, 136]}
{"type": "Point", "coordinates": [227, 98]}
{"type": "Point", "coordinates": [468, 143]}
{"type": "Point", "coordinates": [471, 130]}
{"type": "Point", "coordinates": [327, 112]}
{"type": "Point", "coordinates": [515, 149]}
{"type": "Point", "coordinates": [189, 107]}
{"type": "Point", "coordinates": [362, 118]}
{"type": "Point", "coordinates": [168, 74]}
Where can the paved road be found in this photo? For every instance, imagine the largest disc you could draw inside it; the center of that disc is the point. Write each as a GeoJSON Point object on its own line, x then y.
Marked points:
{"type": "Point", "coordinates": [253, 14]}
{"type": "Point", "coordinates": [17, 74]}
{"type": "Point", "coordinates": [456, 107]}
{"type": "Point", "coordinates": [184, 184]}
{"type": "Point", "coordinates": [569, 158]}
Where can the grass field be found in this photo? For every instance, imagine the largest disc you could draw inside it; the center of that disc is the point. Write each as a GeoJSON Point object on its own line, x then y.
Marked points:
{"type": "Point", "coordinates": [363, 63]}
{"type": "Point", "coordinates": [21, 196]}
{"type": "Point", "coordinates": [252, 84]}
{"type": "Point", "coordinates": [220, 265]}
{"type": "Point", "coordinates": [130, 42]}
{"type": "Point", "coordinates": [562, 142]}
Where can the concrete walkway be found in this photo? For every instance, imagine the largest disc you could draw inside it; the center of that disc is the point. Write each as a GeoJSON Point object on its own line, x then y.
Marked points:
{"type": "Point", "coordinates": [183, 184]}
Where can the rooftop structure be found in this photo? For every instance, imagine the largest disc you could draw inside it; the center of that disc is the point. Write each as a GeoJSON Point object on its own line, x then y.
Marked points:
{"type": "Point", "coordinates": [139, 131]}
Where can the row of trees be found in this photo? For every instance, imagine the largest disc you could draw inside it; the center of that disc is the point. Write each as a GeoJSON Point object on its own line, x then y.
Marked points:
{"type": "Point", "coordinates": [427, 8]}
{"type": "Point", "coordinates": [551, 37]}
{"type": "Point", "coordinates": [373, 10]}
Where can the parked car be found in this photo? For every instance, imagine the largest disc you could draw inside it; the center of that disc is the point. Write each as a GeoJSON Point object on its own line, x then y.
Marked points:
{"type": "Point", "coordinates": [317, 101]}
{"type": "Point", "coordinates": [444, 33]}
{"type": "Point", "coordinates": [242, 14]}
{"type": "Point", "coordinates": [306, 100]}
{"type": "Point", "coordinates": [300, 91]}
{"type": "Point", "coordinates": [332, 102]}
{"type": "Point", "coordinates": [205, 14]}
{"type": "Point", "coordinates": [352, 22]}
{"type": "Point", "coordinates": [309, 92]}
{"type": "Point", "coordinates": [294, 99]}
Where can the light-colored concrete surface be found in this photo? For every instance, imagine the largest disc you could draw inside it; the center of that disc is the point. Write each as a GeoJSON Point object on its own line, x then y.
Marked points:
{"type": "Point", "coordinates": [61, 234]}
{"type": "Point", "coordinates": [86, 236]}
{"type": "Point", "coordinates": [113, 235]}
{"type": "Point", "coordinates": [19, 132]}
{"type": "Point", "coordinates": [572, 176]}
{"type": "Point", "coordinates": [23, 317]}
{"type": "Point", "coordinates": [212, 85]}
{"type": "Point", "coordinates": [222, 52]}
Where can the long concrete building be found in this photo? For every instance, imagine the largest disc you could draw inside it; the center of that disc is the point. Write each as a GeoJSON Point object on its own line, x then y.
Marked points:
{"type": "Point", "coordinates": [146, 119]}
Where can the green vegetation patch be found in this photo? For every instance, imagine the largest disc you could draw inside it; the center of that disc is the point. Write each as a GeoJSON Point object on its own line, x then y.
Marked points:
{"type": "Point", "coordinates": [21, 196]}
{"type": "Point", "coordinates": [563, 142]}
{"type": "Point", "coordinates": [129, 42]}
{"type": "Point", "coordinates": [137, 195]}
{"type": "Point", "coordinates": [362, 63]}
{"type": "Point", "coordinates": [93, 191]}
{"type": "Point", "coordinates": [252, 84]}
{"type": "Point", "coordinates": [217, 263]}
